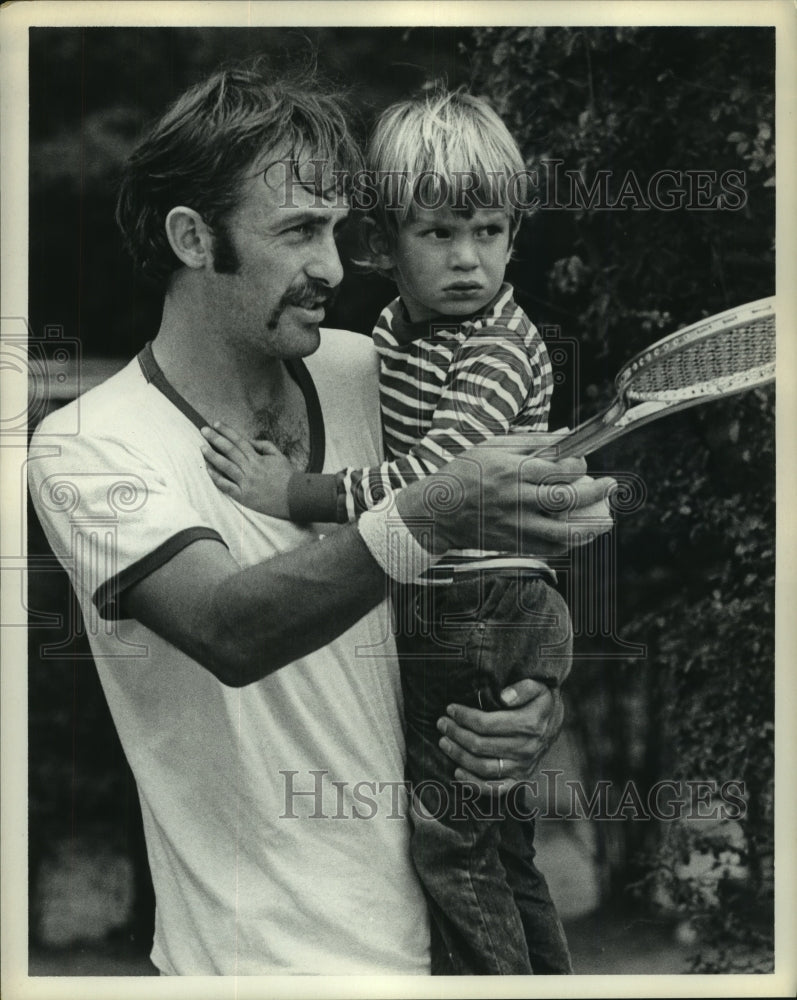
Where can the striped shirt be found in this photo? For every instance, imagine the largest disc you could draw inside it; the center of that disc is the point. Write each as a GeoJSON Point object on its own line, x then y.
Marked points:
{"type": "Point", "coordinates": [446, 386]}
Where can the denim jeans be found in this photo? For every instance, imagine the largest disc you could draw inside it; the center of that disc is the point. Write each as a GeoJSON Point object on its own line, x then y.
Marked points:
{"type": "Point", "coordinates": [491, 910]}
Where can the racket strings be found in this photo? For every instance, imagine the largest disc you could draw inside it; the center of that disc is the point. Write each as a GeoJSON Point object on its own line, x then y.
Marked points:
{"type": "Point", "coordinates": [720, 362]}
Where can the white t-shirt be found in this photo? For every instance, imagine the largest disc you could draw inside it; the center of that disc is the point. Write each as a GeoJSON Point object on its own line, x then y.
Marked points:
{"type": "Point", "coordinates": [251, 876]}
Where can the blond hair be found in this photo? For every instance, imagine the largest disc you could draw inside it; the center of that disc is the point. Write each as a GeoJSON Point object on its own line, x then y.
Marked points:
{"type": "Point", "coordinates": [444, 148]}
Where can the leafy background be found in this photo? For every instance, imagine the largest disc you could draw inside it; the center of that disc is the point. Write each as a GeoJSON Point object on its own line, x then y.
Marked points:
{"type": "Point", "coordinates": [694, 562]}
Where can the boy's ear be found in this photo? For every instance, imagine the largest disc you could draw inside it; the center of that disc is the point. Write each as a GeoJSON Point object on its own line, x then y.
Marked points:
{"type": "Point", "coordinates": [513, 231]}
{"type": "Point", "coordinates": [189, 237]}
{"type": "Point", "coordinates": [378, 245]}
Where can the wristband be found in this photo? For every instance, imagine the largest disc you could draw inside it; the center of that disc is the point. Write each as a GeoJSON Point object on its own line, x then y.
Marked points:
{"type": "Point", "coordinates": [394, 546]}
{"type": "Point", "coordinates": [312, 497]}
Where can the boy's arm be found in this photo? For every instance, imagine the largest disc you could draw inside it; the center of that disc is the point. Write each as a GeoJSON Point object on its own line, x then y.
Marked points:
{"type": "Point", "coordinates": [490, 379]}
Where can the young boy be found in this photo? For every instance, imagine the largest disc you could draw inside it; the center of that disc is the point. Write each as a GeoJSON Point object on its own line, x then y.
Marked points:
{"type": "Point", "coordinates": [459, 363]}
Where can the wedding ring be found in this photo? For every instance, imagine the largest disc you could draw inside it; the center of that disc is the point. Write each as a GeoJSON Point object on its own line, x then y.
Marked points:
{"type": "Point", "coordinates": [500, 768]}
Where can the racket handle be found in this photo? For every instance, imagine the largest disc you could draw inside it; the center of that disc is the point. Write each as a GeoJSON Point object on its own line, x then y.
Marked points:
{"type": "Point", "coordinates": [600, 430]}
{"type": "Point", "coordinates": [581, 443]}
{"type": "Point", "coordinates": [586, 438]}
{"type": "Point", "coordinates": [610, 426]}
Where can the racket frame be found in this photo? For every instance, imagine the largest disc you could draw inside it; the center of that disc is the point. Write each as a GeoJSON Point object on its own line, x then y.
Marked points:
{"type": "Point", "coordinates": [624, 414]}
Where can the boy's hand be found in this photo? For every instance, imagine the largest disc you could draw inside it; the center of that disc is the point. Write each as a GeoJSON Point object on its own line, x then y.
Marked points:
{"type": "Point", "coordinates": [255, 473]}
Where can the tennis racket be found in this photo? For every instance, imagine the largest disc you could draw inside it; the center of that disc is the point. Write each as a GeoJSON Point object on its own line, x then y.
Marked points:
{"type": "Point", "coordinates": [721, 355]}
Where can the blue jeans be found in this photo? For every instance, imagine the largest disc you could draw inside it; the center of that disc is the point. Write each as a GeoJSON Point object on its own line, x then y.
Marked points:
{"type": "Point", "coordinates": [491, 910]}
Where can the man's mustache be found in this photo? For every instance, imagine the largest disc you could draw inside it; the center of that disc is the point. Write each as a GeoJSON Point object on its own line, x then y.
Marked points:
{"type": "Point", "coordinates": [307, 295]}
{"type": "Point", "coordinates": [310, 294]}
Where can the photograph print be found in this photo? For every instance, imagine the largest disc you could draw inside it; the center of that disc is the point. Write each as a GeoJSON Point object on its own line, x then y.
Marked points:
{"type": "Point", "coordinates": [400, 487]}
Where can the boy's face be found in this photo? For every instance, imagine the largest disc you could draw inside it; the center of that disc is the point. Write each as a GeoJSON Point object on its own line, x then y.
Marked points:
{"type": "Point", "coordinates": [448, 263]}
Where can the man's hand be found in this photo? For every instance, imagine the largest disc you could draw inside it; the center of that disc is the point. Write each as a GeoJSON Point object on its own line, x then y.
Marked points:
{"type": "Point", "coordinates": [496, 497]}
{"type": "Point", "coordinates": [495, 749]}
{"type": "Point", "coordinates": [255, 473]}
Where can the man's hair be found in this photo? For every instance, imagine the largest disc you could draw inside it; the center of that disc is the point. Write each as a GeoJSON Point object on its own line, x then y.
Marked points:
{"type": "Point", "coordinates": [200, 151]}
{"type": "Point", "coordinates": [443, 148]}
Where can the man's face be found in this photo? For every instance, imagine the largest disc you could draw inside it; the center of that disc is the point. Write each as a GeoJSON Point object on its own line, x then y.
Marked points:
{"type": "Point", "coordinates": [281, 236]}
{"type": "Point", "coordinates": [450, 263]}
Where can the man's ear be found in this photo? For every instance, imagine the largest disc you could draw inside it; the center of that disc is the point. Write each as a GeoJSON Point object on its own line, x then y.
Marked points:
{"type": "Point", "coordinates": [378, 245]}
{"type": "Point", "coordinates": [189, 237]}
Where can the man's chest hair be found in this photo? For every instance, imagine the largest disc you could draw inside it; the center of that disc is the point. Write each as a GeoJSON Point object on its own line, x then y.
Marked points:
{"type": "Point", "coordinates": [290, 432]}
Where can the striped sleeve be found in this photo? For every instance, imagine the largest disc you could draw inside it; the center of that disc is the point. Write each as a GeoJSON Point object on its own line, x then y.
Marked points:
{"type": "Point", "coordinates": [493, 381]}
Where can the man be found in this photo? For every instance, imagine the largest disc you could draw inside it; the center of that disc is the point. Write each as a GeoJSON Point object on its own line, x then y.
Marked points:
{"type": "Point", "coordinates": [271, 797]}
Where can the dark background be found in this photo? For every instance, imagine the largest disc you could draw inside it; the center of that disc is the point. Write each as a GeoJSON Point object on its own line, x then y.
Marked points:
{"type": "Point", "coordinates": [694, 574]}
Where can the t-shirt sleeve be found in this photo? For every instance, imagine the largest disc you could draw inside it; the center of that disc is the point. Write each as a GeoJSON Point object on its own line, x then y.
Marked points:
{"type": "Point", "coordinates": [491, 381]}
{"type": "Point", "coordinates": [109, 514]}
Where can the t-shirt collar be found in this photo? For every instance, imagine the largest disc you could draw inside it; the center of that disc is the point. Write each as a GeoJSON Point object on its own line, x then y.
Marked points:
{"type": "Point", "coordinates": [297, 369]}
{"type": "Point", "coordinates": [405, 330]}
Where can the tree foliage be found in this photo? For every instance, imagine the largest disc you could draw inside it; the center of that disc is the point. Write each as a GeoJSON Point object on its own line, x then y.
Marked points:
{"type": "Point", "coordinates": [697, 561]}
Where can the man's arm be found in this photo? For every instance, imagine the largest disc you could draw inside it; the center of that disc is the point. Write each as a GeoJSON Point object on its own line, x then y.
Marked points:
{"type": "Point", "coordinates": [244, 624]}
{"type": "Point", "coordinates": [202, 603]}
